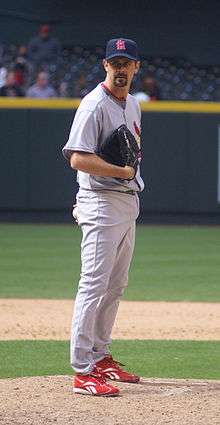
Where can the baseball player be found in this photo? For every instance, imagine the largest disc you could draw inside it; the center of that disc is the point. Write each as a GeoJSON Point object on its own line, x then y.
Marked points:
{"type": "Point", "coordinates": [106, 209]}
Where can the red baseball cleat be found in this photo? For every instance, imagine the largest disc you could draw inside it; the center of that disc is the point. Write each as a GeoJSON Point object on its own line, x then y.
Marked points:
{"type": "Point", "coordinates": [110, 368]}
{"type": "Point", "coordinates": [93, 384]}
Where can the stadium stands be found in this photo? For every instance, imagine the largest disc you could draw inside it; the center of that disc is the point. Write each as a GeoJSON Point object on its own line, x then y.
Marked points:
{"type": "Point", "coordinates": [177, 78]}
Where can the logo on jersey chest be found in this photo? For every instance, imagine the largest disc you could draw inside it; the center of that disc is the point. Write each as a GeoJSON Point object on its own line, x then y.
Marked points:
{"type": "Point", "coordinates": [138, 137]}
{"type": "Point", "coordinates": [137, 132]}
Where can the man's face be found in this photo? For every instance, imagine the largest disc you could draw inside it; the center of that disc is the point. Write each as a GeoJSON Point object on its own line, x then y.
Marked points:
{"type": "Point", "coordinates": [42, 80]}
{"type": "Point", "coordinates": [44, 35]}
{"type": "Point", "coordinates": [10, 78]}
{"type": "Point", "coordinates": [121, 70]}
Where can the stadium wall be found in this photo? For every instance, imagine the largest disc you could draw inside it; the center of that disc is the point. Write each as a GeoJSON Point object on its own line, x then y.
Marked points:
{"type": "Point", "coordinates": [181, 156]}
{"type": "Point", "coordinates": [175, 28]}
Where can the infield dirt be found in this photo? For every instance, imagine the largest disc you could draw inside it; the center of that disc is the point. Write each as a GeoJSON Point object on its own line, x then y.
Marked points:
{"type": "Point", "coordinates": [51, 319]}
{"type": "Point", "coordinates": [48, 400]}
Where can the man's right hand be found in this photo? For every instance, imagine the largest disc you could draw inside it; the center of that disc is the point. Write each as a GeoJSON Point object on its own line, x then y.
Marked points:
{"type": "Point", "coordinates": [129, 172]}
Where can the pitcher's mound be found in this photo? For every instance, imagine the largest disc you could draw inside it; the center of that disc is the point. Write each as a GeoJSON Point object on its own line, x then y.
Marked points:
{"type": "Point", "coordinates": [49, 400]}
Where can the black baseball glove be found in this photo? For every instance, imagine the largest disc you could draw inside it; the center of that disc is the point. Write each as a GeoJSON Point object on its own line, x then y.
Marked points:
{"type": "Point", "coordinates": [120, 148]}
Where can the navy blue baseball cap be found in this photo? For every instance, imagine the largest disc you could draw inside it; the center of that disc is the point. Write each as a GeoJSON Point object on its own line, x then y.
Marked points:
{"type": "Point", "coordinates": [121, 47]}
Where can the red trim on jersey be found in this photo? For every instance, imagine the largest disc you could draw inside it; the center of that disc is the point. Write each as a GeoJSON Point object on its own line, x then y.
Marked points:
{"type": "Point", "coordinates": [137, 129]}
{"type": "Point", "coordinates": [112, 94]}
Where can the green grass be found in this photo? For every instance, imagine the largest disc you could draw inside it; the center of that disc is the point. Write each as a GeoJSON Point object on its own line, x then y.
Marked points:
{"type": "Point", "coordinates": [164, 359]}
{"type": "Point", "coordinates": [170, 263]}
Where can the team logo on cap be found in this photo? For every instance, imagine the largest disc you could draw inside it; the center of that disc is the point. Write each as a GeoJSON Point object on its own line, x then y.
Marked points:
{"type": "Point", "coordinates": [120, 44]}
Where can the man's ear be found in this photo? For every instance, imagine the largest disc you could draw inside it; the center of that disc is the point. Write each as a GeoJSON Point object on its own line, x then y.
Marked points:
{"type": "Point", "coordinates": [137, 67]}
{"type": "Point", "coordinates": [105, 64]}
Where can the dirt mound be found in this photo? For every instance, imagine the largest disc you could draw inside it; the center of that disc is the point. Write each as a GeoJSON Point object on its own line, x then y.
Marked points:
{"type": "Point", "coordinates": [47, 400]}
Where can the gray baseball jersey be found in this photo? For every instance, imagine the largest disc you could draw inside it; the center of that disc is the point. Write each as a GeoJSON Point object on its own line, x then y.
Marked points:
{"type": "Point", "coordinates": [107, 220]}
{"type": "Point", "coordinates": [97, 116]}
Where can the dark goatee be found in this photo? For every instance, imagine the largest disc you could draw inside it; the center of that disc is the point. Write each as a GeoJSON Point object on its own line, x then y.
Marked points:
{"type": "Point", "coordinates": [120, 81]}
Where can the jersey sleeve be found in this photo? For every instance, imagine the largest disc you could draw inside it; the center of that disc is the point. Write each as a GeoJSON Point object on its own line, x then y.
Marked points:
{"type": "Point", "coordinates": [84, 133]}
{"type": "Point", "coordinates": [137, 104]}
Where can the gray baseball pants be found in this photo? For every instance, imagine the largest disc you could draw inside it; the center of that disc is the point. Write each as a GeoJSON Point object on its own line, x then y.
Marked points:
{"type": "Point", "coordinates": [107, 221]}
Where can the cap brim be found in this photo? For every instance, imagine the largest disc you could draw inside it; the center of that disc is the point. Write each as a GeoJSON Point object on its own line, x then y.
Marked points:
{"type": "Point", "coordinates": [125, 55]}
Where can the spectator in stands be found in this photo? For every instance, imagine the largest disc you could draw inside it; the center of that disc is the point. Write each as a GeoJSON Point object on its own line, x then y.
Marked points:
{"type": "Point", "coordinates": [43, 48]}
{"type": "Point", "coordinates": [11, 89]}
{"type": "Point", "coordinates": [41, 89]}
{"type": "Point", "coordinates": [63, 89]}
{"type": "Point", "coordinates": [149, 89]}
{"type": "Point", "coordinates": [80, 87]}
{"type": "Point", "coordinates": [21, 67]}
{"type": "Point", "coordinates": [3, 75]}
